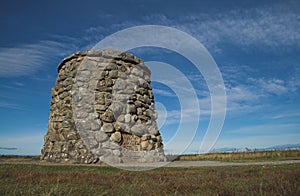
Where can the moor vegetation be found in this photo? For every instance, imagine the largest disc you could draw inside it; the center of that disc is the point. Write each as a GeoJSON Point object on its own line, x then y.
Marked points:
{"type": "Point", "coordinates": [28, 179]}
{"type": "Point", "coordinates": [272, 155]}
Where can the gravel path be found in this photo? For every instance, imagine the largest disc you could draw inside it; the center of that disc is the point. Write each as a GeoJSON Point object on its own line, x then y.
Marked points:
{"type": "Point", "coordinates": [218, 163]}
{"type": "Point", "coordinates": [171, 164]}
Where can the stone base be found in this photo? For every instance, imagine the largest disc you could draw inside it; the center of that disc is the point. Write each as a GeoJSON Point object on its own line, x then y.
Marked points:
{"type": "Point", "coordinates": [142, 156]}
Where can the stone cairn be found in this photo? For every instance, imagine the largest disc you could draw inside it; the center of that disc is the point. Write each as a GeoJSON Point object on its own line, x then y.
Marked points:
{"type": "Point", "coordinates": [102, 109]}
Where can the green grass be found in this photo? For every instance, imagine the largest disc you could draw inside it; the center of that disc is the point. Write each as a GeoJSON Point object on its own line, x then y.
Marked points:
{"type": "Point", "coordinates": [87, 180]}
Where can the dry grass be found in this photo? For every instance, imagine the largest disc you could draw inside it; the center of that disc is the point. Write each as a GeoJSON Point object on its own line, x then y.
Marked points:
{"type": "Point", "coordinates": [244, 156]}
{"type": "Point", "coordinates": [85, 180]}
{"type": "Point", "coordinates": [16, 158]}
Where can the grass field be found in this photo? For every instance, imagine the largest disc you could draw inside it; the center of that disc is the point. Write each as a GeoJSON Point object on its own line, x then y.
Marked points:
{"type": "Point", "coordinates": [36, 179]}
{"type": "Point", "coordinates": [86, 180]}
{"type": "Point", "coordinates": [274, 155]}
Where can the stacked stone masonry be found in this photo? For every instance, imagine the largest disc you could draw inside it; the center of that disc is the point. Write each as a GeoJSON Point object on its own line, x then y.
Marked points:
{"type": "Point", "coordinates": [102, 109]}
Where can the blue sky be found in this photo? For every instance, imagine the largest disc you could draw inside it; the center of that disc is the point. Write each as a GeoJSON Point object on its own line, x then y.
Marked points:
{"type": "Point", "coordinates": [256, 46]}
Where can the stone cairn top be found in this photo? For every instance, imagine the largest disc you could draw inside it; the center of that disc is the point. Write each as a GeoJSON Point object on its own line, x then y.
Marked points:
{"type": "Point", "coordinates": [102, 109]}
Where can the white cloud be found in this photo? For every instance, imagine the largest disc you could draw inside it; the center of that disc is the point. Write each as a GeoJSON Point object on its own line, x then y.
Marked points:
{"type": "Point", "coordinates": [294, 82]}
{"type": "Point", "coordinates": [254, 95]}
{"type": "Point", "coordinates": [10, 105]}
{"type": "Point", "coordinates": [187, 115]}
{"type": "Point", "coordinates": [241, 93]}
{"type": "Point", "coordinates": [28, 58]}
{"type": "Point", "coordinates": [261, 26]}
{"type": "Point", "coordinates": [271, 86]}
{"type": "Point", "coordinates": [286, 114]}
{"type": "Point", "coordinates": [243, 97]}
{"type": "Point", "coordinates": [161, 92]}
{"type": "Point", "coordinates": [267, 27]}
{"type": "Point", "coordinates": [247, 94]}
{"type": "Point", "coordinates": [21, 84]}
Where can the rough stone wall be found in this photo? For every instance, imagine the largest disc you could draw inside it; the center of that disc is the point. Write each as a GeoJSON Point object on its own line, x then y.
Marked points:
{"type": "Point", "coordinates": [102, 108]}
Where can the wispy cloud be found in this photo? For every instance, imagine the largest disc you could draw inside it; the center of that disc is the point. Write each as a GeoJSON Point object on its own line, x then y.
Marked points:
{"type": "Point", "coordinates": [283, 115]}
{"type": "Point", "coordinates": [8, 148]}
{"type": "Point", "coordinates": [245, 94]}
{"type": "Point", "coordinates": [266, 27]}
{"type": "Point", "coordinates": [255, 95]}
{"type": "Point", "coordinates": [19, 84]}
{"type": "Point", "coordinates": [164, 93]}
{"type": "Point", "coordinates": [189, 114]}
{"type": "Point", "coordinates": [9, 105]}
{"type": "Point", "coordinates": [28, 58]}
{"type": "Point", "coordinates": [271, 86]}
{"type": "Point", "coordinates": [270, 28]}
{"type": "Point", "coordinates": [262, 27]}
